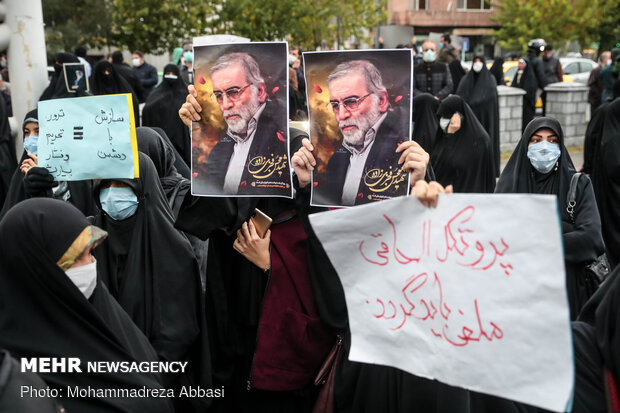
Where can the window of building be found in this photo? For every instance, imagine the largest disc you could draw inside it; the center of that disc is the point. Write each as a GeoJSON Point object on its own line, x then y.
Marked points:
{"type": "Point", "coordinates": [474, 5]}
{"type": "Point", "coordinates": [418, 4]}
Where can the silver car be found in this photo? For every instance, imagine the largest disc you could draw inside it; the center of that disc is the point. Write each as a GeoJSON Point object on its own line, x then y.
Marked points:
{"type": "Point", "coordinates": [578, 68]}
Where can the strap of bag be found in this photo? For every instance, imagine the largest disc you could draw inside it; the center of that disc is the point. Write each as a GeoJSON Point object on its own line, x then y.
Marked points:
{"type": "Point", "coordinates": [572, 196]}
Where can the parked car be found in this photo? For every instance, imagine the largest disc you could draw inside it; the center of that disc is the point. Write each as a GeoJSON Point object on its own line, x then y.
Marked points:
{"type": "Point", "coordinates": [578, 68]}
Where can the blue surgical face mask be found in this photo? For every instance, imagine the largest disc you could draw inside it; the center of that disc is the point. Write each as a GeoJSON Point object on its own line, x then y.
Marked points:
{"type": "Point", "coordinates": [429, 56]}
{"type": "Point", "coordinates": [118, 203]}
{"type": "Point", "coordinates": [188, 56]}
{"type": "Point", "coordinates": [31, 144]}
{"type": "Point", "coordinates": [543, 155]}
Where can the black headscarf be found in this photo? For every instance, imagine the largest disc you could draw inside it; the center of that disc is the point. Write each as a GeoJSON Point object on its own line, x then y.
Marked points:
{"type": "Point", "coordinates": [112, 83]}
{"type": "Point", "coordinates": [582, 239]}
{"type": "Point", "coordinates": [497, 70]}
{"type": "Point", "coordinates": [57, 88]}
{"type": "Point", "coordinates": [179, 163]}
{"type": "Point", "coordinates": [151, 270]}
{"type": "Point", "coordinates": [174, 185]}
{"type": "Point", "coordinates": [479, 90]}
{"type": "Point", "coordinates": [426, 123]}
{"type": "Point", "coordinates": [519, 176]}
{"type": "Point", "coordinates": [606, 183]}
{"type": "Point", "coordinates": [463, 159]}
{"type": "Point", "coordinates": [8, 158]}
{"type": "Point", "coordinates": [457, 72]}
{"type": "Point", "coordinates": [45, 315]}
{"type": "Point", "coordinates": [162, 109]}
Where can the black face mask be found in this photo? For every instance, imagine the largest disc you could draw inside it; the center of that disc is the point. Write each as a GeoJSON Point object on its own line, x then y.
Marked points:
{"type": "Point", "coordinates": [169, 81]}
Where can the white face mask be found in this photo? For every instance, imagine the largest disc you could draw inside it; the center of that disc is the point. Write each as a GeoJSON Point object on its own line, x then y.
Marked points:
{"type": "Point", "coordinates": [477, 67]}
{"type": "Point", "coordinates": [173, 77]}
{"type": "Point", "coordinates": [135, 62]}
{"type": "Point", "coordinates": [84, 278]}
{"type": "Point", "coordinates": [443, 124]}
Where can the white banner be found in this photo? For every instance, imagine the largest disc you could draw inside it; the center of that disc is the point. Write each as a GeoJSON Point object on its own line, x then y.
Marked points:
{"type": "Point", "coordinates": [471, 293]}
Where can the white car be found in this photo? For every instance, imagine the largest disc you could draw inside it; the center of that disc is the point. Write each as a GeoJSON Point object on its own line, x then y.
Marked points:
{"type": "Point", "coordinates": [578, 68]}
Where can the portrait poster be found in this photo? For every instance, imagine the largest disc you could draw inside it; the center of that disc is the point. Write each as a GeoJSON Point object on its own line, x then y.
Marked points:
{"type": "Point", "coordinates": [360, 112]}
{"type": "Point", "coordinates": [240, 145]}
{"type": "Point", "coordinates": [75, 77]}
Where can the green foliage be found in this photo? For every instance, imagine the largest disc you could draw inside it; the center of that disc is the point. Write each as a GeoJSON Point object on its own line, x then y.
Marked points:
{"type": "Point", "coordinates": [306, 23]}
{"type": "Point", "coordinates": [69, 23]}
{"type": "Point", "coordinates": [154, 26]}
{"type": "Point", "coordinates": [556, 21]}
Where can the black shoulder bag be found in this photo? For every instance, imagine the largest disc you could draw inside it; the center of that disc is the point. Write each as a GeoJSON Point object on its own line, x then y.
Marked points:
{"type": "Point", "coordinates": [599, 268]}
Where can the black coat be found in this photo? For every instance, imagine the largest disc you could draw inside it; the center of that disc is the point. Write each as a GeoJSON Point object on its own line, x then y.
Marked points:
{"type": "Point", "coordinates": [606, 184]}
{"type": "Point", "coordinates": [269, 141]}
{"type": "Point", "coordinates": [582, 240]}
{"type": "Point", "coordinates": [8, 158]}
{"type": "Point", "coordinates": [382, 156]}
{"type": "Point", "coordinates": [425, 120]}
{"type": "Point", "coordinates": [479, 90]}
{"type": "Point", "coordinates": [532, 79]}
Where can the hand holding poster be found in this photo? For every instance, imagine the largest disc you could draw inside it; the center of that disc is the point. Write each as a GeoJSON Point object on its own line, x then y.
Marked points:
{"type": "Point", "coordinates": [458, 293]}
{"type": "Point", "coordinates": [360, 111]}
{"type": "Point", "coordinates": [240, 146]}
{"type": "Point", "coordinates": [88, 138]}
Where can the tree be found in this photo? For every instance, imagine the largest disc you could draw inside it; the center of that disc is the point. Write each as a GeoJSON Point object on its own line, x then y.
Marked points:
{"type": "Point", "coordinates": [154, 26]}
{"type": "Point", "coordinates": [608, 28]}
{"type": "Point", "coordinates": [306, 23]}
{"type": "Point", "coordinates": [556, 21]}
{"type": "Point", "coordinates": [69, 23]}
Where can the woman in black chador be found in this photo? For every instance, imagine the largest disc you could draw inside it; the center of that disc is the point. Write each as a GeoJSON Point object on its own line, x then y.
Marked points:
{"type": "Point", "coordinates": [605, 176]}
{"type": "Point", "coordinates": [162, 110]}
{"type": "Point", "coordinates": [479, 89]}
{"type": "Point", "coordinates": [150, 268]}
{"type": "Point", "coordinates": [540, 164]}
{"type": "Point", "coordinates": [462, 155]}
{"type": "Point", "coordinates": [425, 120]}
{"type": "Point", "coordinates": [54, 305]}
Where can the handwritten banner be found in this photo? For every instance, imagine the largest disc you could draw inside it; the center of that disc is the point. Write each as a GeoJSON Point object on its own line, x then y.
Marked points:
{"type": "Point", "coordinates": [88, 138]}
{"type": "Point", "coordinates": [471, 293]}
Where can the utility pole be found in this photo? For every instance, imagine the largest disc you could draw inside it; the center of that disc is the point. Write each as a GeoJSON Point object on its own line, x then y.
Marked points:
{"type": "Point", "coordinates": [26, 55]}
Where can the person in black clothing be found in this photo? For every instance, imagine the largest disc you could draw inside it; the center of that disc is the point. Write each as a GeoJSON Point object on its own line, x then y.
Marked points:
{"type": "Point", "coordinates": [161, 110]}
{"type": "Point", "coordinates": [497, 70]}
{"type": "Point", "coordinates": [150, 268]}
{"type": "Point", "coordinates": [457, 72]}
{"type": "Point", "coordinates": [605, 178]}
{"type": "Point", "coordinates": [541, 164]}
{"type": "Point", "coordinates": [126, 73]}
{"type": "Point", "coordinates": [462, 155]}
{"type": "Point", "coordinates": [553, 71]}
{"type": "Point", "coordinates": [54, 305]}
{"type": "Point", "coordinates": [147, 74]}
{"type": "Point", "coordinates": [530, 77]}
{"type": "Point", "coordinates": [107, 81]}
{"type": "Point", "coordinates": [57, 87]}
{"type": "Point", "coordinates": [479, 89]}
{"type": "Point", "coordinates": [431, 76]}
{"type": "Point", "coordinates": [425, 120]}
{"type": "Point", "coordinates": [8, 159]}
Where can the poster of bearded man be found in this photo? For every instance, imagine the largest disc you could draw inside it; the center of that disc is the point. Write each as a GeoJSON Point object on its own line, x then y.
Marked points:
{"type": "Point", "coordinates": [360, 111]}
{"type": "Point", "coordinates": [240, 145]}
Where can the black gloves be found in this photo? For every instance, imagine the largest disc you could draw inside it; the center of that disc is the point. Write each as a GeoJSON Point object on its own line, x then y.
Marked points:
{"type": "Point", "coordinates": [38, 182]}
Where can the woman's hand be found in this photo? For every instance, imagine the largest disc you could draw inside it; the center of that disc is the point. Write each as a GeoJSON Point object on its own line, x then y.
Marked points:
{"type": "Point", "coordinates": [427, 193]}
{"type": "Point", "coordinates": [254, 248]}
{"type": "Point", "coordinates": [29, 163]}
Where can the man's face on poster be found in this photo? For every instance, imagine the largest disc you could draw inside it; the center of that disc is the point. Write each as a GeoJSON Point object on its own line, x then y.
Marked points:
{"type": "Point", "coordinates": [238, 99]}
{"type": "Point", "coordinates": [355, 108]}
